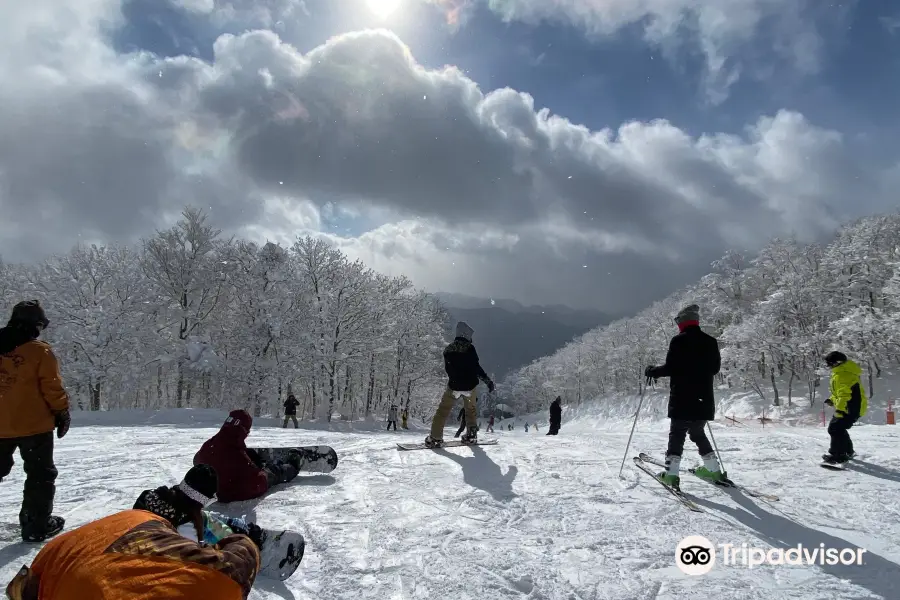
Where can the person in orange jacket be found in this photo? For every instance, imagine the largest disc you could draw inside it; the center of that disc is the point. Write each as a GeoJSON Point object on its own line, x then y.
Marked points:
{"type": "Point", "coordinates": [139, 554]}
{"type": "Point", "coordinates": [33, 402]}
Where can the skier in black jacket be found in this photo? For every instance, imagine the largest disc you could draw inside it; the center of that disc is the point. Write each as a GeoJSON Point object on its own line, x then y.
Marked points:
{"type": "Point", "coordinates": [290, 411]}
{"type": "Point", "coordinates": [691, 363]}
{"type": "Point", "coordinates": [555, 416]}
{"type": "Point", "coordinates": [463, 373]}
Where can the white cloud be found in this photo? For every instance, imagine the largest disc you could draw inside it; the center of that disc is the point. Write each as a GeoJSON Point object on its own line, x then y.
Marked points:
{"type": "Point", "coordinates": [464, 190]}
{"type": "Point", "coordinates": [892, 24]}
{"type": "Point", "coordinates": [727, 32]}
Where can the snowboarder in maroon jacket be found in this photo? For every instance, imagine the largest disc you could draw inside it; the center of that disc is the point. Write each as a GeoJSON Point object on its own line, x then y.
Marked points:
{"type": "Point", "coordinates": [241, 473]}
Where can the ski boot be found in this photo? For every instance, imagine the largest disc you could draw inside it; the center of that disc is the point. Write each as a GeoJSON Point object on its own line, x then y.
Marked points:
{"type": "Point", "coordinates": [837, 459]}
{"type": "Point", "coordinates": [471, 436]}
{"type": "Point", "coordinates": [711, 471]}
{"type": "Point", "coordinates": [431, 442]}
{"type": "Point", "coordinates": [670, 476]}
{"type": "Point", "coordinates": [37, 531]}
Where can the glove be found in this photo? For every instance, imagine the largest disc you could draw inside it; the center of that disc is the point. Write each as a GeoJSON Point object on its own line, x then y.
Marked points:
{"type": "Point", "coordinates": [251, 530]}
{"type": "Point", "coordinates": [829, 402]}
{"type": "Point", "coordinates": [62, 422]}
{"type": "Point", "coordinates": [648, 372]}
{"type": "Point", "coordinates": [490, 385]}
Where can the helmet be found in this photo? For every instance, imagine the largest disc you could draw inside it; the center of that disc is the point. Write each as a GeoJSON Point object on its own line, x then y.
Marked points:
{"type": "Point", "coordinates": [833, 359]}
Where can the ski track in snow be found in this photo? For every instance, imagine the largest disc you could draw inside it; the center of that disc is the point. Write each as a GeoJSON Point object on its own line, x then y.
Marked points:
{"type": "Point", "coordinates": [536, 517]}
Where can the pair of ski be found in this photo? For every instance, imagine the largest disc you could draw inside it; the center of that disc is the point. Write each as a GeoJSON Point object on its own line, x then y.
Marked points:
{"type": "Point", "coordinates": [642, 460]}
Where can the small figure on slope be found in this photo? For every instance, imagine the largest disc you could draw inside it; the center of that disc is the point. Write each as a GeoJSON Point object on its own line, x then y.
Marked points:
{"type": "Point", "coordinates": [33, 402]}
{"type": "Point", "coordinates": [392, 417]}
{"type": "Point", "coordinates": [141, 553]}
{"type": "Point", "coordinates": [404, 419]}
{"type": "Point", "coordinates": [290, 411]}
{"type": "Point", "coordinates": [693, 360]}
{"type": "Point", "coordinates": [490, 427]}
{"type": "Point", "coordinates": [463, 372]}
{"type": "Point", "coordinates": [555, 416]}
{"type": "Point", "coordinates": [242, 474]}
{"type": "Point", "coordinates": [526, 426]}
{"type": "Point", "coordinates": [849, 400]}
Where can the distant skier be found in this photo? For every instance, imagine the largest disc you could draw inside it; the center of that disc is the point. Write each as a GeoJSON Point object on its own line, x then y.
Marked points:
{"type": "Point", "coordinates": [142, 553]}
{"type": "Point", "coordinates": [526, 427]}
{"type": "Point", "coordinates": [849, 401]}
{"type": "Point", "coordinates": [241, 473]}
{"type": "Point", "coordinates": [555, 416]}
{"type": "Point", "coordinates": [490, 426]}
{"type": "Point", "coordinates": [290, 411]}
{"type": "Point", "coordinates": [392, 417]}
{"type": "Point", "coordinates": [33, 402]}
{"type": "Point", "coordinates": [404, 418]}
{"type": "Point", "coordinates": [692, 361]}
{"type": "Point", "coordinates": [463, 372]}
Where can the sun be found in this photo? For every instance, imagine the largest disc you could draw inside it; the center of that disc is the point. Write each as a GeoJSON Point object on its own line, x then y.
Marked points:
{"type": "Point", "coordinates": [383, 8]}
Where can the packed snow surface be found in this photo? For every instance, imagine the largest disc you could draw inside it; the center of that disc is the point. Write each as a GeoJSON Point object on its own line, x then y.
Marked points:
{"type": "Point", "coordinates": [536, 516]}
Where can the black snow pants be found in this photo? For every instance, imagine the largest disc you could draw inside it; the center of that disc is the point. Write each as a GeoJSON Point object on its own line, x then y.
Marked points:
{"type": "Point", "coordinates": [280, 473]}
{"type": "Point", "coordinates": [40, 474]}
{"type": "Point", "coordinates": [841, 444]}
{"type": "Point", "coordinates": [276, 473]}
{"type": "Point", "coordinates": [679, 429]}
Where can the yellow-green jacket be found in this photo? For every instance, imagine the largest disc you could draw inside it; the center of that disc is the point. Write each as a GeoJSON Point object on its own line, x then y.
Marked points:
{"type": "Point", "coordinates": [847, 392]}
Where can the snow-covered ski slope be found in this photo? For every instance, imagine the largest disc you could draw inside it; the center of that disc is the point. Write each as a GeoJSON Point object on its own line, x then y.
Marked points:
{"type": "Point", "coordinates": [535, 517]}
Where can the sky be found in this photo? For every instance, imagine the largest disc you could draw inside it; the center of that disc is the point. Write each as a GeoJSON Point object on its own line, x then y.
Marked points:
{"type": "Point", "coordinates": [595, 153]}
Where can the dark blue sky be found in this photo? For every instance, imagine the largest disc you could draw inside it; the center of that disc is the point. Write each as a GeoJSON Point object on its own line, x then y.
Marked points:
{"type": "Point", "coordinates": [597, 82]}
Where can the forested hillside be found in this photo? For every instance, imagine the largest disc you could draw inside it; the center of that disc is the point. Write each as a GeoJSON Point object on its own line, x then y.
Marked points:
{"type": "Point", "coordinates": [191, 319]}
{"type": "Point", "coordinates": [776, 315]}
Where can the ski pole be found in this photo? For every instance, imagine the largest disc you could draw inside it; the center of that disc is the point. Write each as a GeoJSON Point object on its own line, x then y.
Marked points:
{"type": "Point", "coordinates": [633, 425]}
{"type": "Point", "coordinates": [716, 448]}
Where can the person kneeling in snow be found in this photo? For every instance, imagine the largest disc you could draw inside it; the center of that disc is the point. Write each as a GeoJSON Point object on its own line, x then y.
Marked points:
{"type": "Point", "coordinates": [140, 553]}
{"type": "Point", "coordinates": [182, 505]}
{"type": "Point", "coordinates": [242, 474]}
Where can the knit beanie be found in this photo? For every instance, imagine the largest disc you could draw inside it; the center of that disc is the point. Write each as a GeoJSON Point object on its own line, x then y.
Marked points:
{"type": "Point", "coordinates": [464, 331]}
{"type": "Point", "coordinates": [200, 484]}
{"type": "Point", "coordinates": [688, 314]}
{"type": "Point", "coordinates": [833, 359]}
{"type": "Point", "coordinates": [240, 418]}
{"type": "Point", "coordinates": [29, 312]}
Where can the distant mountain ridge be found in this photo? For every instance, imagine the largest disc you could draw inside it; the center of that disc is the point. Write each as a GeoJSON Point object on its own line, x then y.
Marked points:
{"type": "Point", "coordinates": [509, 335]}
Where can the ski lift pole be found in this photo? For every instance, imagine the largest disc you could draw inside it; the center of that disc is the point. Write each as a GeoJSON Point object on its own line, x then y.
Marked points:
{"type": "Point", "coordinates": [633, 425]}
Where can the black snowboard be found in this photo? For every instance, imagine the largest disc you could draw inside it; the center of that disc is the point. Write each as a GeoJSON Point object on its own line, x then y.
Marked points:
{"type": "Point", "coordinates": [316, 459]}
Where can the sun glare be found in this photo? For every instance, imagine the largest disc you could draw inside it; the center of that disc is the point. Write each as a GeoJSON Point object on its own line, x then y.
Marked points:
{"type": "Point", "coordinates": [383, 8]}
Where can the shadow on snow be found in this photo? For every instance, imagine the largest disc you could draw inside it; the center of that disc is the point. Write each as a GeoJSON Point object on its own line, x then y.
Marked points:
{"type": "Point", "coordinates": [874, 470]}
{"type": "Point", "coordinates": [479, 471]}
{"type": "Point", "coordinates": [877, 574]}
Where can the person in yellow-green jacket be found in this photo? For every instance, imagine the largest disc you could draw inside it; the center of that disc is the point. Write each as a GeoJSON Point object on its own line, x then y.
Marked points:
{"type": "Point", "coordinates": [849, 401]}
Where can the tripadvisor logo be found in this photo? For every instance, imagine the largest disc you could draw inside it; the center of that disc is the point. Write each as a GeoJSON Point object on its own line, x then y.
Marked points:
{"type": "Point", "coordinates": [696, 555]}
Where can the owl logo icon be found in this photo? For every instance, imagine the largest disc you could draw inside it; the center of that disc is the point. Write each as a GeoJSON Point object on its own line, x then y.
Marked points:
{"type": "Point", "coordinates": [695, 555]}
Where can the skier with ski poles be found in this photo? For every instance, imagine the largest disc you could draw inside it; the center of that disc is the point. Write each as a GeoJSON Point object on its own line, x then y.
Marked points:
{"type": "Point", "coordinates": [693, 360]}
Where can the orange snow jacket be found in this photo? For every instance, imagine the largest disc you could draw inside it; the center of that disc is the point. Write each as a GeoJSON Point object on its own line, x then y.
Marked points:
{"type": "Point", "coordinates": [136, 555]}
{"type": "Point", "coordinates": [31, 389]}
